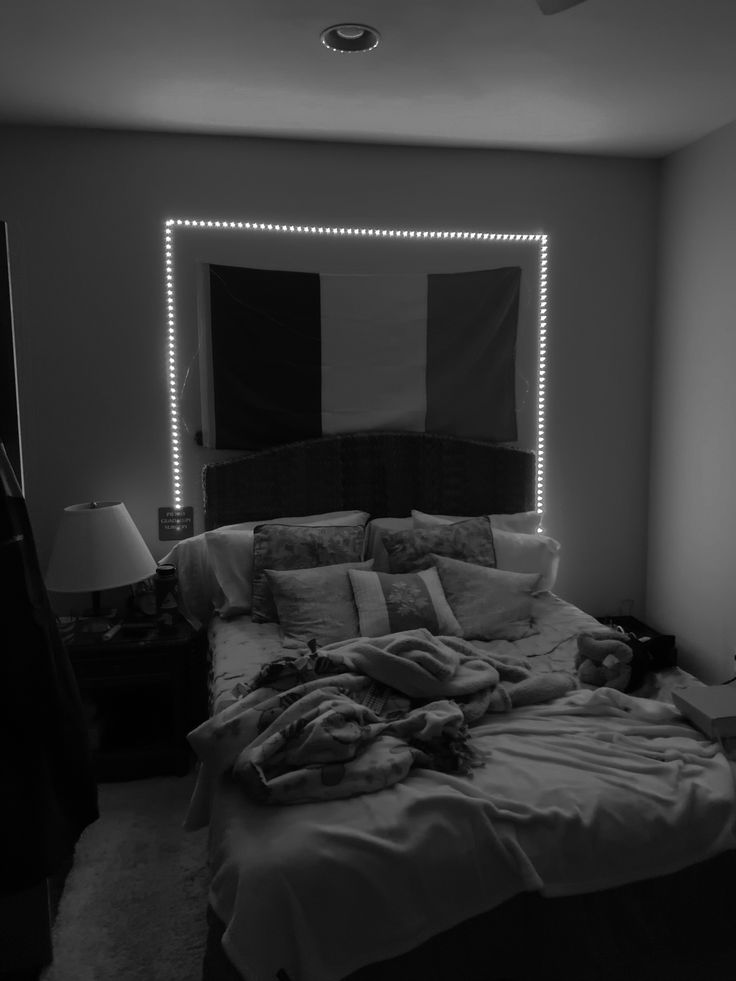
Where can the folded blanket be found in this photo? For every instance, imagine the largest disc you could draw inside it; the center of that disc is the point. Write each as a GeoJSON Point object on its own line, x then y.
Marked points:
{"type": "Point", "coordinates": [357, 716]}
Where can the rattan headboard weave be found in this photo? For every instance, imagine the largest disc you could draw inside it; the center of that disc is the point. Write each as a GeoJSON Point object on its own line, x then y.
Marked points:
{"type": "Point", "coordinates": [386, 474]}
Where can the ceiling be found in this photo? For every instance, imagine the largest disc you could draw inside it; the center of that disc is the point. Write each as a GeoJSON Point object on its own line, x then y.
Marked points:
{"type": "Point", "coordinates": [634, 77]}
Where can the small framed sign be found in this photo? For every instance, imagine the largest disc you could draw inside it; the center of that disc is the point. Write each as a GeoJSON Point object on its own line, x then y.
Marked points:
{"type": "Point", "coordinates": [175, 524]}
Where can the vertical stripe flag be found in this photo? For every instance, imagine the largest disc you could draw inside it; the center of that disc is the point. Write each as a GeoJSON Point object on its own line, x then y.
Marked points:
{"type": "Point", "coordinates": [374, 353]}
{"type": "Point", "coordinates": [293, 355]}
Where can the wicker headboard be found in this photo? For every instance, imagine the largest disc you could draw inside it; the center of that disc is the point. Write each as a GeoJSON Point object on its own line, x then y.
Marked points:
{"type": "Point", "coordinates": [386, 474]}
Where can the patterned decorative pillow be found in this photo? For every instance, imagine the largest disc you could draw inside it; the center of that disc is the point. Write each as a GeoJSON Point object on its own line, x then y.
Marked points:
{"type": "Point", "coordinates": [517, 549]}
{"type": "Point", "coordinates": [216, 568]}
{"type": "Point", "coordinates": [230, 551]}
{"type": "Point", "coordinates": [298, 547]}
{"type": "Point", "coordinates": [471, 541]}
{"type": "Point", "coordinates": [489, 604]}
{"type": "Point", "coordinates": [374, 531]}
{"type": "Point", "coordinates": [526, 522]}
{"type": "Point", "coordinates": [316, 604]}
{"type": "Point", "coordinates": [407, 601]}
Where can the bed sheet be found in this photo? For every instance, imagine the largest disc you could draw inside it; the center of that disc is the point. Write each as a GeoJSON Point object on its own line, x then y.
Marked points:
{"type": "Point", "coordinates": [588, 792]}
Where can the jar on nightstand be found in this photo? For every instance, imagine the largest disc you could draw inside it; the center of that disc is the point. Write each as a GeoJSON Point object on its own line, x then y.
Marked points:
{"type": "Point", "coordinates": [166, 585]}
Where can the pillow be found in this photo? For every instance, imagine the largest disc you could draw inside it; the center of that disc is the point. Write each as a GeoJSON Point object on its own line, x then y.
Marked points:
{"type": "Point", "coordinates": [526, 522]}
{"type": "Point", "coordinates": [231, 555]}
{"type": "Point", "coordinates": [389, 603]}
{"type": "Point", "coordinates": [471, 540]}
{"type": "Point", "coordinates": [331, 519]}
{"type": "Point", "coordinates": [489, 604]}
{"type": "Point", "coordinates": [278, 546]}
{"type": "Point", "coordinates": [230, 551]}
{"type": "Point", "coordinates": [198, 587]}
{"type": "Point", "coordinates": [215, 569]}
{"type": "Point", "coordinates": [374, 547]}
{"type": "Point", "coordinates": [515, 551]}
{"type": "Point", "coordinates": [528, 553]}
{"type": "Point", "coordinates": [316, 604]}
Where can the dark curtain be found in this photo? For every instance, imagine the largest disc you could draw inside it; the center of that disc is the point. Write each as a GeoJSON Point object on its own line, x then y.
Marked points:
{"type": "Point", "coordinates": [48, 788]}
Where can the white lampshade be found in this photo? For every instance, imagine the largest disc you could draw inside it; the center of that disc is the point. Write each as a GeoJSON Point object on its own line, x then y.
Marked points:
{"type": "Point", "coordinates": [97, 547]}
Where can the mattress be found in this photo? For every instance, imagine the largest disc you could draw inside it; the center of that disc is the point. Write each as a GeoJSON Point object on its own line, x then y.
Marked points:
{"type": "Point", "coordinates": [588, 792]}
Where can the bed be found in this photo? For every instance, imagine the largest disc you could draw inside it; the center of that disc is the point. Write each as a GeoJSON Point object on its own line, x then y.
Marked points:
{"type": "Point", "coordinates": [589, 838]}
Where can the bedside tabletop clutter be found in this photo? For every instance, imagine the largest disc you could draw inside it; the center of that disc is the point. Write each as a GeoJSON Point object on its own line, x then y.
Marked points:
{"type": "Point", "coordinates": [662, 647]}
{"type": "Point", "coordinates": [143, 690]}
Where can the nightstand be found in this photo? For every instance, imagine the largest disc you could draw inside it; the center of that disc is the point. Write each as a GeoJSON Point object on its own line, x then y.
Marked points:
{"type": "Point", "coordinates": [662, 648]}
{"type": "Point", "coordinates": [141, 694]}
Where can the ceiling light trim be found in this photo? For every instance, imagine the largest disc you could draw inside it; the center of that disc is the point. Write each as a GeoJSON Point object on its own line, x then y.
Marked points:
{"type": "Point", "coordinates": [350, 38]}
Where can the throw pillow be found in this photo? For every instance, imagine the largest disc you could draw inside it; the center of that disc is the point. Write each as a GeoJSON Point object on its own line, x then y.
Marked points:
{"type": "Point", "coordinates": [489, 604]}
{"type": "Point", "coordinates": [199, 592]}
{"type": "Point", "coordinates": [316, 604]}
{"type": "Point", "coordinates": [231, 555]}
{"type": "Point", "coordinates": [390, 603]}
{"type": "Point", "coordinates": [471, 540]}
{"type": "Point", "coordinates": [526, 522]}
{"type": "Point", "coordinates": [528, 553]}
{"type": "Point", "coordinates": [298, 547]}
{"type": "Point", "coordinates": [374, 547]}
{"type": "Point", "coordinates": [516, 551]}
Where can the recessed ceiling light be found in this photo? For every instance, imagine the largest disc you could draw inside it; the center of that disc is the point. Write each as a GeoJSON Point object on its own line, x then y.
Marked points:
{"type": "Point", "coordinates": [350, 38]}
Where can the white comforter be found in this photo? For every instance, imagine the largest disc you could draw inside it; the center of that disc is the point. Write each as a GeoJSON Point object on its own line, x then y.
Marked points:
{"type": "Point", "coordinates": [588, 792]}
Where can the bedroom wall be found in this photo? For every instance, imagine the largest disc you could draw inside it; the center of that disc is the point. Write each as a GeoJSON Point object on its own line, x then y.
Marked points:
{"type": "Point", "coordinates": [691, 586]}
{"type": "Point", "coordinates": [85, 212]}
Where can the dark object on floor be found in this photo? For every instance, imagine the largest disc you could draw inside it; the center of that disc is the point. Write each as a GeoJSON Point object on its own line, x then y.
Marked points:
{"type": "Point", "coordinates": [48, 776]}
{"type": "Point", "coordinates": [46, 772]}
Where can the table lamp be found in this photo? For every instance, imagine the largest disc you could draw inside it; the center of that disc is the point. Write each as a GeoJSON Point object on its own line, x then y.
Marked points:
{"type": "Point", "coordinates": [97, 546]}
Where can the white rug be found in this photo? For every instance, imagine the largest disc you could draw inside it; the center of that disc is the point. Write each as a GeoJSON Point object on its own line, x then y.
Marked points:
{"type": "Point", "coordinates": [133, 907]}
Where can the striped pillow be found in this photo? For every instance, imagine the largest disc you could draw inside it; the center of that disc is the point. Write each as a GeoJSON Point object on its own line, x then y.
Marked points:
{"type": "Point", "coordinates": [390, 603]}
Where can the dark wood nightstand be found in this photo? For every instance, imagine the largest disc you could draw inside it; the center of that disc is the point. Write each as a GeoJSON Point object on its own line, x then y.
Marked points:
{"type": "Point", "coordinates": [662, 648]}
{"type": "Point", "coordinates": [142, 693]}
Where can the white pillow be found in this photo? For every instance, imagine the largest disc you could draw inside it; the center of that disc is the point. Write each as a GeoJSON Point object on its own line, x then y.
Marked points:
{"type": "Point", "coordinates": [199, 591]}
{"type": "Point", "coordinates": [216, 569]}
{"type": "Point", "coordinates": [528, 553]}
{"type": "Point", "coordinates": [230, 551]}
{"type": "Point", "coordinates": [527, 522]}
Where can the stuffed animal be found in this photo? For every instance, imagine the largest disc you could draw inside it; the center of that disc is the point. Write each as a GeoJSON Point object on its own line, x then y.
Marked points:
{"type": "Point", "coordinates": [604, 658]}
{"type": "Point", "coordinates": [613, 658]}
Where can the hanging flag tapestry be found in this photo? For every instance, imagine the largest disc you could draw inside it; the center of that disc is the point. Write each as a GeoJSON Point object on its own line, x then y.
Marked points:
{"type": "Point", "coordinates": [294, 355]}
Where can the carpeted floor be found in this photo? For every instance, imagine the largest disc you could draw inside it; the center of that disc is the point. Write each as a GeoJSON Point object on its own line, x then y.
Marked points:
{"type": "Point", "coordinates": [133, 905]}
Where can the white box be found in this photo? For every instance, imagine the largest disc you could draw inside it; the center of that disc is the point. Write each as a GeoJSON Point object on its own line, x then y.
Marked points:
{"type": "Point", "coordinates": [712, 708]}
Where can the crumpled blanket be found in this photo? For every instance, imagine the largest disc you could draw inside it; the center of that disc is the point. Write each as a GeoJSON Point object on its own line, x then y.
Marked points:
{"type": "Point", "coordinates": [355, 717]}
